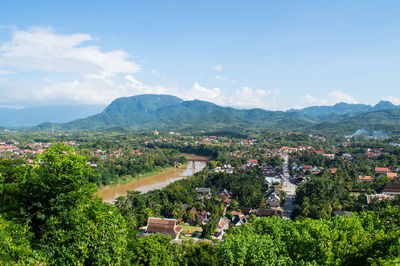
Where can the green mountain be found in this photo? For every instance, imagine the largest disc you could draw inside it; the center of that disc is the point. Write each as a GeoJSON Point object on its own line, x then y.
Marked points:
{"type": "Point", "coordinates": [170, 113]}
{"type": "Point", "coordinates": [385, 120]}
{"type": "Point", "coordinates": [341, 110]}
{"type": "Point", "coordinates": [338, 109]}
{"type": "Point", "coordinates": [165, 112]}
{"type": "Point", "coordinates": [384, 105]}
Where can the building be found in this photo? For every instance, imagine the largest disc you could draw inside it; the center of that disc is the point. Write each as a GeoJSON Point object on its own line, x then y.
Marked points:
{"type": "Point", "coordinates": [268, 213]}
{"type": "Point", "coordinates": [382, 170]}
{"type": "Point", "coordinates": [223, 225]}
{"type": "Point", "coordinates": [163, 226]}
{"type": "Point", "coordinates": [365, 178]}
{"type": "Point", "coordinates": [392, 189]}
{"type": "Point", "coordinates": [392, 175]}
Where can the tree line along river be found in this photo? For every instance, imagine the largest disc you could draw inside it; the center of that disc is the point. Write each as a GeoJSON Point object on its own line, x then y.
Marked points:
{"type": "Point", "coordinates": [156, 181]}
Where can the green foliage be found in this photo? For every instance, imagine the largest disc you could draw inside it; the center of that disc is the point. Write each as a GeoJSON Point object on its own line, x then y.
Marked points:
{"type": "Point", "coordinates": [15, 245]}
{"type": "Point", "coordinates": [54, 201]}
{"type": "Point", "coordinates": [150, 250]}
{"type": "Point", "coordinates": [319, 196]}
{"type": "Point", "coordinates": [337, 241]}
{"type": "Point", "coordinates": [93, 233]}
{"type": "Point", "coordinates": [189, 253]}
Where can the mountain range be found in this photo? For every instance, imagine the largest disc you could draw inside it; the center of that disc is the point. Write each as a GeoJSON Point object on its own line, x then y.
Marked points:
{"type": "Point", "coordinates": [169, 113]}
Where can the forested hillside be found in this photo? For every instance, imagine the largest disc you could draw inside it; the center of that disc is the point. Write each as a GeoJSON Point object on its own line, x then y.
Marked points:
{"type": "Point", "coordinates": [169, 113]}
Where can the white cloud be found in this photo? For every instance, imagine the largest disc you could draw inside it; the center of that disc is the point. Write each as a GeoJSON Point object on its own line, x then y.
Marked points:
{"type": "Point", "coordinates": [218, 67]}
{"type": "Point", "coordinates": [392, 99]}
{"type": "Point", "coordinates": [247, 97]}
{"type": "Point", "coordinates": [308, 100]}
{"type": "Point", "coordinates": [202, 93]}
{"type": "Point", "coordinates": [261, 92]}
{"type": "Point", "coordinates": [42, 49]}
{"type": "Point", "coordinates": [333, 98]}
{"type": "Point", "coordinates": [70, 68]}
{"type": "Point", "coordinates": [338, 96]}
{"type": "Point", "coordinates": [86, 73]}
{"type": "Point", "coordinates": [220, 77]}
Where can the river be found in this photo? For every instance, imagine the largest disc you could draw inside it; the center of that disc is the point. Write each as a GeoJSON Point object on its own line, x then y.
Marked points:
{"type": "Point", "coordinates": [156, 181]}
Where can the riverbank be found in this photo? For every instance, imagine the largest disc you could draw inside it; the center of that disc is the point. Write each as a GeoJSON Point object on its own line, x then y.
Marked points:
{"type": "Point", "coordinates": [155, 171]}
{"type": "Point", "coordinates": [150, 181]}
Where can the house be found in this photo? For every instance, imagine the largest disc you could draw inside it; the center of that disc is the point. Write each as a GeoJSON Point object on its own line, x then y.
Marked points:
{"type": "Point", "coordinates": [239, 218]}
{"type": "Point", "coordinates": [346, 156]}
{"type": "Point", "coordinates": [163, 226]}
{"type": "Point", "coordinates": [382, 170]}
{"type": "Point", "coordinates": [267, 213]}
{"type": "Point", "coordinates": [274, 201]}
{"type": "Point", "coordinates": [307, 168]}
{"type": "Point", "coordinates": [329, 156]}
{"type": "Point", "coordinates": [252, 162]}
{"type": "Point", "coordinates": [245, 210]}
{"type": "Point", "coordinates": [333, 170]}
{"type": "Point", "coordinates": [392, 189]}
{"type": "Point", "coordinates": [365, 178]}
{"type": "Point", "coordinates": [203, 192]}
{"type": "Point", "coordinates": [272, 180]}
{"type": "Point", "coordinates": [223, 225]}
{"type": "Point", "coordinates": [392, 175]}
{"type": "Point", "coordinates": [204, 216]}
{"type": "Point", "coordinates": [223, 193]}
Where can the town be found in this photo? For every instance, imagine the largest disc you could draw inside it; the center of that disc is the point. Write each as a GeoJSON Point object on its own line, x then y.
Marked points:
{"type": "Point", "coordinates": [246, 178]}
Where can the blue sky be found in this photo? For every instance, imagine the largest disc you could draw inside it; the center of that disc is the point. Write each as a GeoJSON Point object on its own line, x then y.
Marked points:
{"type": "Point", "coordinates": [270, 54]}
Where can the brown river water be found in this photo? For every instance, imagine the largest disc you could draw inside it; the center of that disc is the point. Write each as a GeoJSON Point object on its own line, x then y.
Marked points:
{"type": "Point", "coordinates": [156, 181]}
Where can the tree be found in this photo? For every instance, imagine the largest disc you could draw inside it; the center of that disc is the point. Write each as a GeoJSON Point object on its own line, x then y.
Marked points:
{"type": "Point", "coordinates": [55, 201]}
{"type": "Point", "coordinates": [92, 233]}
{"type": "Point", "coordinates": [150, 250]}
{"type": "Point", "coordinates": [15, 245]}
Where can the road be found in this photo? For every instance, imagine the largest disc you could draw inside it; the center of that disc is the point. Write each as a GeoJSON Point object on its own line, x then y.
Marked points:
{"type": "Point", "coordinates": [289, 188]}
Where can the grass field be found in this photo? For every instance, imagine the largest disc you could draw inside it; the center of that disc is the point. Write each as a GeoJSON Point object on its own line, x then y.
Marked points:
{"type": "Point", "coordinates": [193, 229]}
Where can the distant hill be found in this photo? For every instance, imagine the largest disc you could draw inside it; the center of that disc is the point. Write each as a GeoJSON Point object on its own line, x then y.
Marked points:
{"type": "Point", "coordinates": [28, 117]}
{"type": "Point", "coordinates": [340, 110]}
{"type": "Point", "coordinates": [170, 113]}
{"type": "Point", "coordinates": [386, 120]}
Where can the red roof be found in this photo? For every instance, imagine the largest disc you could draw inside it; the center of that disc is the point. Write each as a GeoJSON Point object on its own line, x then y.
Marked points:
{"type": "Point", "coordinates": [307, 167]}
{"type": "Point", "coordinates": [319, 151]}
{"type": "Point", "coordinates": [382, 169]}
{"type": "Point", "coordinates": [162, 225]}
{"type": "Point", "coordinates": [253, 161]}
{"type": "Point", "coordinates": [365, 178]}
{"type": "Point", "coordinates": [391, 175]}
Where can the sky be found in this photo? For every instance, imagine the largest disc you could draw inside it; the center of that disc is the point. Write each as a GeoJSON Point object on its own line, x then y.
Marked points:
{"type": "Point", "coordinates": [275, 55]}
